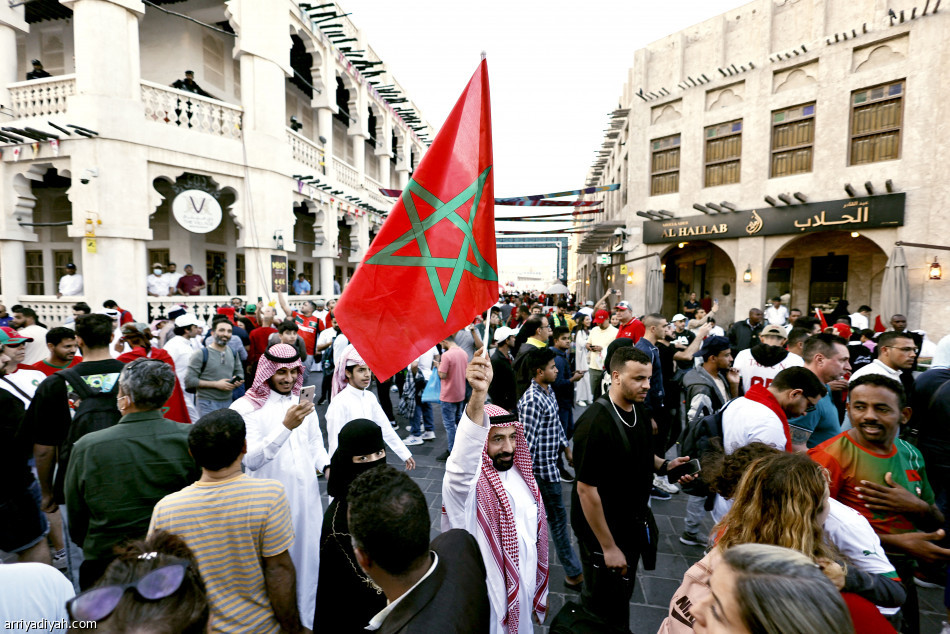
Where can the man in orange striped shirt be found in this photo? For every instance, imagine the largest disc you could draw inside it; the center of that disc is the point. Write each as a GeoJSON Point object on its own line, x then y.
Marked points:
{"type": "Point", "coordinates": [239, 529]}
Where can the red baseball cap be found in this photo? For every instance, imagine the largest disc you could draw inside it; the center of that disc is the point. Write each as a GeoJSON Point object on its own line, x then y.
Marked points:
{"type": "Point", "coordinates": [601, 316]}
{"type": "Point", "coordinates": [13, 337]}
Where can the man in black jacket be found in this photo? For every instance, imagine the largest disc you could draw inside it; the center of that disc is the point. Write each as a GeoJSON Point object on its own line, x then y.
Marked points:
{"type": "Point", "coordinates": [502, 388]}
{"type": "Point", "coordinates": [707, 388]}
{"type": "Point", "coordinates": [745, 334]}
{"type": "Point", "coordinates": [437, 587]}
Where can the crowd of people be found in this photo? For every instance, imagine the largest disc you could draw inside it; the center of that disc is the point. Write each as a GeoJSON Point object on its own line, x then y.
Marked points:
{"type": "Point", "coordinates": [184, 458]}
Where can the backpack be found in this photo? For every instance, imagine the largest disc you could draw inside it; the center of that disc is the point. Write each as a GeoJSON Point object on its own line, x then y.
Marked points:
{"type": "Point", "coordinates": [204, 362]}
{"type": "Point", "coordinates": [695, 440]}
{"type": "Point", "coordinates": [96, 410]}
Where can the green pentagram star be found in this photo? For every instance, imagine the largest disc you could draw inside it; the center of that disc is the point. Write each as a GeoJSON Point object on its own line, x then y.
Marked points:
{"type": "Point", "coordinates": [458, 264]}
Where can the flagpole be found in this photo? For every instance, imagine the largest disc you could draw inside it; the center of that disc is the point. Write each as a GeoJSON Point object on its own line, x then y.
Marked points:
{"type": "Point", "coordinates": [487, 322]}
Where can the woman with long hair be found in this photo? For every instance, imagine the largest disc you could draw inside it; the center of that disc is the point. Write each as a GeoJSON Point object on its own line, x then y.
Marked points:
{"type": "Point", "coordinates": [582, 392]}
{"type": "Point", "coordinates": [771, 590]}
{"type": "Point", "coordinates": [781, 499]}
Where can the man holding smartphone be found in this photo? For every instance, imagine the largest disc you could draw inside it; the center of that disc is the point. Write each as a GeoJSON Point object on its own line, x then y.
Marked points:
{"type": "Point", "coordinates": [284, 443]}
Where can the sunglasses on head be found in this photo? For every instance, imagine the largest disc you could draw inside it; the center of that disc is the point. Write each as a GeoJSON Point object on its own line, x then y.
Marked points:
{"type": "Point", "coordinates": [98, 603]}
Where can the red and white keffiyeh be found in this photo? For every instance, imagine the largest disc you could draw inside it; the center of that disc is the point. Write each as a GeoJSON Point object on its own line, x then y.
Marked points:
{"type": "Point", "coordinates": [497, 520]}
{"type": "Point", "coordinates": [348, 359]}
{"type": "Point", "coordinates": [279, 355]}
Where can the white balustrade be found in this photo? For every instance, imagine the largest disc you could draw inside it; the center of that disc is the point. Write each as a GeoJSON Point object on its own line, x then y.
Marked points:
{"type": "Point", "coordinates": [306, 151]}
{"type": "Point", "coordinates": [50, 310]}
{"type": "Point", "coordinates": [41, 97]}
{"type": "Point", "coordinates": [203, 306]}
{"type": "Point", "coordinates": [346, 174]}
{"type": "Point", "coordinates": [187, 110]}
{"type": "Point", "coordinates": [379, 201]}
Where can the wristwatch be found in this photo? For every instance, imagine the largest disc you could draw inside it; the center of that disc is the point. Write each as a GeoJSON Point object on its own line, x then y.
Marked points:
{"type": "Point", "coordinates": [664, 468]}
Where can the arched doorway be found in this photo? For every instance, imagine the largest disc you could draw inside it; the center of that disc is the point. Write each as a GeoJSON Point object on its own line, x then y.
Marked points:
{"type": "Point", "coordinates": [819, 269]}
{"type": "Point", "coordinates": [698, 267]}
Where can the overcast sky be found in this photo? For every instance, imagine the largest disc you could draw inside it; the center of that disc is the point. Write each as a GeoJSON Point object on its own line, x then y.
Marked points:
{"type": "Point", "coordinates": [556, 70]}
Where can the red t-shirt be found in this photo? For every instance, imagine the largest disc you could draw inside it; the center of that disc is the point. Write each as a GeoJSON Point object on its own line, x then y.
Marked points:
{"type": "Point", "coordinates": [633, 329]}
{"type": "Point", "coordinates": [48, 369]}
{"type": "Point", "coordinates": [258, 338]}
{"type": "Point", "coordinates": [188, 284]}
{"type": "Point", "coordinates": [308, 327]}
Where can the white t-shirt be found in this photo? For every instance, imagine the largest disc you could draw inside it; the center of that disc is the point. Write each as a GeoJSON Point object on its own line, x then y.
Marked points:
{"type": "Point", "coordinates": [157, 285]}
{"type": "Point", "coordinates": [876, 367]}
{"type": "Point", "coordinates": [26, 380]}
{"type": "Point", "coordinates": [172, 279]}
{"type": "Point", "coordinates": [34, 592]}
{"type": "Point", "coordinates": [859, 321]}
{"type": "Point", "coordinates": [71, 284]}
{"type": "Point", "coordinates": [776, 316]}
{"type": "Point", "coordinates": [754, 373]}
{"type": "Point", "coordinates": [425, 362]}
{"type": "Point", "coordinates": [599, 337]}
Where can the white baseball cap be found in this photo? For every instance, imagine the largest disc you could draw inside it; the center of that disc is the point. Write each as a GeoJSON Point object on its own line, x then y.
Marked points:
{"type": "Point", "coordinates": [679, 317]}
{"type": "Point", "coordinates": [503, 333]}
{"type": "Point", "coordinates": [188, 319]}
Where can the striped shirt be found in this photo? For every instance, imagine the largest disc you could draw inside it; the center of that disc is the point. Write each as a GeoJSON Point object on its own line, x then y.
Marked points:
{"type": "Point", "coordinates": [229, 526]}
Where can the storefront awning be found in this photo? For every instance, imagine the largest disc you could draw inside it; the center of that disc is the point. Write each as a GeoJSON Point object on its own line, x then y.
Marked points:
{"type": "Point", "coordinates": [599, 234]}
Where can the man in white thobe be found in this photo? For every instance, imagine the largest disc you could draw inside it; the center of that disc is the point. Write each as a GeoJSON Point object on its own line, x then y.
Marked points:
{"type": "Point", "coordinates": [284, 443]}
{"type": "Point", "coordinates": [351, 399]}
{"type": "Point", "coordinates": [481, 492]}
{"type": "Point", "coordinates": [181, 347]}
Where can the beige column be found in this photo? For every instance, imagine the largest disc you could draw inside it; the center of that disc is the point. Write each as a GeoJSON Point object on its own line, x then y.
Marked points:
{"type": "Point", "coordinates": [11, 21]}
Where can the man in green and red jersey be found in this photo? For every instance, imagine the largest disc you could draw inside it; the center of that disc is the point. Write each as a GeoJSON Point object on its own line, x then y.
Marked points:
{"type": "Point", "coordinates": [63, 347]}
{"type": "Point", "coordinates": [883, 477]}
{"type": "Point", "coordinates": [308, 324]}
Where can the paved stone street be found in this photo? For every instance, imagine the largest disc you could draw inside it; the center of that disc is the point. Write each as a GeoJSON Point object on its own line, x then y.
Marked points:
{"type": "Point", "coordinates": [654, 588]}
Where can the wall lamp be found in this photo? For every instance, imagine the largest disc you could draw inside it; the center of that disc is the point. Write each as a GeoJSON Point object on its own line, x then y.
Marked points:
{"type": "Point", "coordinates": [935, 271]}
{"type": "Point", "coordinates": [279, 240]}
{"type": "Point", "coordinates": [747, 276]}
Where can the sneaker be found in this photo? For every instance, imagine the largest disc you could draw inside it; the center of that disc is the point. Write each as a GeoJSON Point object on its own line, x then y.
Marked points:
{"type": "Point", "coordinates": [445, 456]}
{"type": "Point", "coordinates": [566, 475]}
{"type": "Point", "coordinates": [408, 427]}
{"type": "Point", "coordinates": [394, 389]}
{"type": "Point", "coordinates": [59, 560]}
{"type": "Point", "coordinates": [394, 424]}
{"type": "Point", "coordinates": [429, 435]}
{"type": "Point", "coordinates": [691, 539]}
{"type": "Point", "coordinates": [412, 441]}
{"type": "Point", "coordinates": [660, 494]}
{"type": "Point", "coordinates": [922, 581]}
{"type": "Point", "coordinates": [582, 403]}
{"type": "Point", "coordinates": [662, 483]}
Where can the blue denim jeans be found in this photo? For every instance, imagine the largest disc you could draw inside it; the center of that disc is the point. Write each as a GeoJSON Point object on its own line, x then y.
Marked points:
{"type": "Point", "coordinates": [451, 415]}
{"type": "Point", "coordinates": [422, 413]}
{"type": "Point", "coordinates": [206, 406]}
{"type": "Point", "coordinates": [557, 521]}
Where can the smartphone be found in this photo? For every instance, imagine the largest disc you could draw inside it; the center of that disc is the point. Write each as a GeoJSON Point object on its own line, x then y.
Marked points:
{"type": "Point", "coordinates": [688, 468]}
{"type": "Point", "coordinates": [234, 379]}
{"type": "Point", "coordinates": [306, 394]}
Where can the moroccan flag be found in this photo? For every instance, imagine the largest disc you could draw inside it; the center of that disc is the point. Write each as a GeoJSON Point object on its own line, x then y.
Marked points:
{"type": "Point", "coordinates": [432, 267]}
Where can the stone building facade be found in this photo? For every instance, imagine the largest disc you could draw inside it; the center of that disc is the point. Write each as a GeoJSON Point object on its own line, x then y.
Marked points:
{"type": "Point", "coordinates": [822, 120]}
{"type": "Point", "coordinates": [303, 125]}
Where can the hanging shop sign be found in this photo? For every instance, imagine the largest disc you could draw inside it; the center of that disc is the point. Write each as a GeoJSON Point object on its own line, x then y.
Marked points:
{"type": "Point", "coordinates": [278, 271]}
{"type": "Point", "coordinates": [850, 214]}
{"type": "Point", "coordinates": [197, 211]}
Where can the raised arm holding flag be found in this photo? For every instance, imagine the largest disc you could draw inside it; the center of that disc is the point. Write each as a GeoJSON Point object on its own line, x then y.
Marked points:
{"type": "Point", "coordinates": [432, 267]}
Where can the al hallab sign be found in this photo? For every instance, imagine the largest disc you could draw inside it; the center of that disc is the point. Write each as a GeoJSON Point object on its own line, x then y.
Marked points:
{"type": "Point", "coordinates": [851, 214]}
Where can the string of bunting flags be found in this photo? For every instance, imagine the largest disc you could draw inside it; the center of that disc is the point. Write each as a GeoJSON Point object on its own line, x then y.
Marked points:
{"type": "Point", "coordinates": [358, 77]}
{"type": "Point", "coordinates": [521, 202]}
{"type": "Point", "coordinates": [573, 192]}
{"type": "Point", "coordinates": [345, 206]}
{"type": "Point", "coordinates": [18, 140]}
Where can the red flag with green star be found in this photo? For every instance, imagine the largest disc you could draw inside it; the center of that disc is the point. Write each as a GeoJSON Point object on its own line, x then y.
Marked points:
{"type": "Point", "coordinates": [432, 267]}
